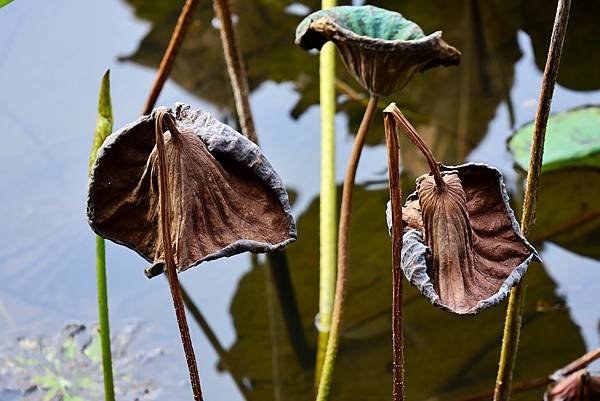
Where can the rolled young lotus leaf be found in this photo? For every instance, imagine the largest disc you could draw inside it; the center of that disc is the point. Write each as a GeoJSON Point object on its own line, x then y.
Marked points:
{"type": "Point", "coordinates": [381, 48]}
{"type": "Point", "coordinates": [225, 196]}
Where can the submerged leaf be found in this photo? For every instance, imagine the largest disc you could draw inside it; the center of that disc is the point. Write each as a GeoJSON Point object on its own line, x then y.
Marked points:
{"type": "Point", "coordinates": [572, 140]}
{"type": "Point", "coordinates": [53, 367]}
{"type": "Point", "coordinates": [467, 251]}
{"type": "Point", "coordinates": [381, 48]}
{"type": "Point", "coordinates": [225, 196]}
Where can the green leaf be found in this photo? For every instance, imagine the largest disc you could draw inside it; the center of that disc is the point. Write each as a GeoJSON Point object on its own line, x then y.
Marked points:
{"type": "Point", "coordinates": [572, 140]}
{"type": "Point", "coordinates": [104, 122]}
{"type": "Point", "coordinates": [94, 350]}
{"type": "Point", "coordinates": [4, 2]}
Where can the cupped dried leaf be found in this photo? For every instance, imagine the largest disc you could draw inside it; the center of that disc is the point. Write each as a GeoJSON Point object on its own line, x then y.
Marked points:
{"type": "Point", "coordinates": [465, 251]}
{"type": "Point", "coordinates": [381, 48]}
{"type": "Point", "coordinates": [578, 386]}
{"type": "Point", "coordinates": [225, 196]}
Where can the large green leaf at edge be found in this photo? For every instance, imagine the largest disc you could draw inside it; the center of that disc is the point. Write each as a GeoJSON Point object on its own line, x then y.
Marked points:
{"type": "Point", "coordinates": [4, 2]}
{"type": "Point", "coordinates": [572, 140]}
{"type": "Point", "coordinates": [568, 212]}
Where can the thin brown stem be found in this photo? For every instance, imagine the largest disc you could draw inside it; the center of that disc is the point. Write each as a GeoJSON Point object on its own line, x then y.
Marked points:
{"type": "Point", "coordinates": [393, 150]}
{"type": "Point", "coordinates": [236, 69]}
{"type": "Point", "coordinates": [414, 136]}
{"type": "Point", "coordinates": [580, 362]}
{"type": "Point", "coordinates": [168, 59]}
{"type": "Point", "coordinates": [342, 262]}
{"type": "Point", "coordinates": [165, 223]}
{"type": "Point", "coordinates": [531, 384]}
{"type": "Point", "coordinates": [512, 326]}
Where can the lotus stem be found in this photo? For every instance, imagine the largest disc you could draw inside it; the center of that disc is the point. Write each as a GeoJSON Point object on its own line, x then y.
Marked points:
{"type": "Point", "coordinates": [393, 150]}
{"type": "Point", "coordinates": [165, 224]}
{"type": "Point", "coordinates": [325, 383]}
{"type": "Point", "coordinates": [236, 69]}
{"type": "Point", "coordinates": [414, 136]}
{"type": "Point", "coordinates": [514, 312]}
{"type": "Point", "coordinates": [109, 388]}
{"type": "Point", "coordinates": [328, 201]}
{"type": "Point", "coordinates": [166, 64]}
{"type": "Point", "coordinates": [104, 125]}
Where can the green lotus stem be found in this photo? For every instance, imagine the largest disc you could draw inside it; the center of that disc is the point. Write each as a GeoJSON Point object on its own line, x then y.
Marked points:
{"type": "Point", "coordinates": [328, 202]}
{"type": "Point", "coordinates": [104, 125]}
{"type": "Point", "coordinates": [109, 390]}
{"type": "Point", "coordinates": [342, 261]}
{"type": "Point", "coordinates": [514, 312]}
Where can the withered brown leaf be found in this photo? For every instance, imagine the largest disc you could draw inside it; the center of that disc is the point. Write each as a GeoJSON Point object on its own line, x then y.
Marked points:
{"type": "Point", "coordinates": [225, 198]}
{"type": "Point", "coordinates": [462, 247]}
{"type": "Point", "coordinates": [578, 386]}
{"type": "Point", "coordinates": [476, 250]}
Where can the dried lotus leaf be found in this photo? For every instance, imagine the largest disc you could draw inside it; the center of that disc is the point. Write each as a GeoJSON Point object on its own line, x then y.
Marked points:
{"type": "Point", "coordinates": [225, 198]}
{"type": "Point", "coordinates": [455, 270]}
{"type": "Point", "coordinates": [381, 48]}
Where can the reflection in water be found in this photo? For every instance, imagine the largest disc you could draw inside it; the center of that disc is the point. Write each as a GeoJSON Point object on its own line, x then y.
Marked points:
{"type": "Point", "coordinates": [581, 54]}
{"type": "Point", "coordinates": [568, 213]}
{"type": "Point", "coordinates": [451, 107]}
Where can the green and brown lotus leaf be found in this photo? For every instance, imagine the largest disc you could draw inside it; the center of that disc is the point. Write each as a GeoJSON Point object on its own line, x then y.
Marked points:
{"type": "Point", "coordinates": [381, 48]}
{"type": "Point", "coordinates": [225, 197]}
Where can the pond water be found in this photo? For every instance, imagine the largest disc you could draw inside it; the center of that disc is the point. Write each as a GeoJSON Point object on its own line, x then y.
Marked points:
{"type": "Point", "coordinates": [250, 344]}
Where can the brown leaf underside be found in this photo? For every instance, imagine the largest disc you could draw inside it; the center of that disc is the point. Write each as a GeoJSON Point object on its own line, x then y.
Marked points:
{"type": "Point", "coordinates": [579, 386]}
{"type": "Point", "coordinates": [474, 246]}
{"type": "Point", "coordinates": [213, 204]}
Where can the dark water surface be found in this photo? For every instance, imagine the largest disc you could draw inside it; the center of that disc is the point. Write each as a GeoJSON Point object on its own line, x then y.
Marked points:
{"type": "Point", "coordinates": [52, 56]}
